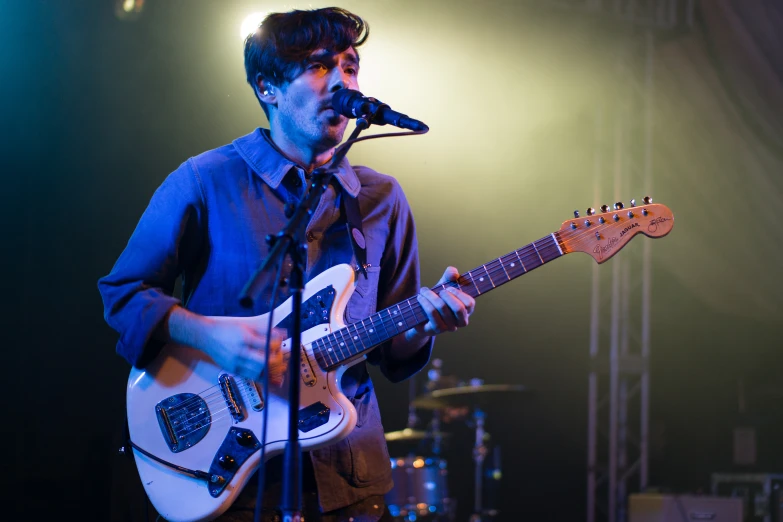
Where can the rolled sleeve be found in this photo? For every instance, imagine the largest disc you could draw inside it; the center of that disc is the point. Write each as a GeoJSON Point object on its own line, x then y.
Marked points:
{"type": "Point", "coordinates": [137, 293]}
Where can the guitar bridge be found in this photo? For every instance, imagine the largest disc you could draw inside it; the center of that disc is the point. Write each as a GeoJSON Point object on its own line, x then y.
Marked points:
{"type": "Point", "coordinates": [184, 420]}
{"type": "Point", "coordinates": [229, 391]}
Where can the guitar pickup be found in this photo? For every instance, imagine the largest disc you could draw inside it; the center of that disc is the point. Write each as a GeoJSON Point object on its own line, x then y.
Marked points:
{"type": "Point", "coordinates": [308, 376]}
{"type": "Point", "coordinates": [240, 392]}
{"type": "Point", "coordinates": [305, 366]}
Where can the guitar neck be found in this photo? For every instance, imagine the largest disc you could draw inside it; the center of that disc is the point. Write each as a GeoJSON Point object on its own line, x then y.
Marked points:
{"type": "Point", "coordinates": [360, 337]}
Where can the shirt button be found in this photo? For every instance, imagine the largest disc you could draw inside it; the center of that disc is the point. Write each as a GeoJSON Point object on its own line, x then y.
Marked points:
{"type": "Point", "coordinates": [310, 237]}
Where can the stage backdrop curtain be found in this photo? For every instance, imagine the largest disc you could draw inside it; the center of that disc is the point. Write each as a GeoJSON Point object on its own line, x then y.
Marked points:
{"type": "Point", "coordinates": [718, 155]}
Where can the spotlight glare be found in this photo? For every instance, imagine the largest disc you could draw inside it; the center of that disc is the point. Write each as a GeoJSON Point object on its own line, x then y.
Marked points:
{"type": "Point", "coordinates": [128, 9]}
{"type": "Point", "coordinates": [250, 24]}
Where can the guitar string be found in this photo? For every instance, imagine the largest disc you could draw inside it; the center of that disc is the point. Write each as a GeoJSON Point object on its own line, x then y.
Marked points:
{"type": "Point", "coordinates": [213, 417]}
{"type": "Point", "coordinates": [409, 317]}
{"type": "Point", "coordinates": [212, 420]}
{"type": "Point", "coordinates": [197, 396]}
{"type": "Point", "coordinates": [523, 252]}
{"type": "Point", "coordinates": [207, 398]}
{"type": "Point", "coordinates": [201, 414]}
{"type": "Point", "coordinates": [495, 267]}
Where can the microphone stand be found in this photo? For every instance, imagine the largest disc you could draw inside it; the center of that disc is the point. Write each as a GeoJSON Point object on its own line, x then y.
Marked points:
{"type": "Point", "coordinates": [289, 241]}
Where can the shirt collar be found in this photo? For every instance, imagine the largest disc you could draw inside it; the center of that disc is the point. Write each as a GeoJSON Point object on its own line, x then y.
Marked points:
{"type": "Point", "coordinates": [270, 165]}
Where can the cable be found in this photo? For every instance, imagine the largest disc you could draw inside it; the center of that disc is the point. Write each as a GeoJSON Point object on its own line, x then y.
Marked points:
{"type": "Point", "coordinates": [202, 475]}
{"type": "Point", "coordinates": [268, 402]}
{"type": "Point", "coordinates": [374, 136]}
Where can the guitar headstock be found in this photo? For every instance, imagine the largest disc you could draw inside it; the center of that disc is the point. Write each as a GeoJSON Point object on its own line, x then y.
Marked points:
{"type": "Point", "coordinates": [603, 233]}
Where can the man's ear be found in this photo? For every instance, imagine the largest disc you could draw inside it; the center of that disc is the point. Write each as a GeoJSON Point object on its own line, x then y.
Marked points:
{"type": "Point", "coordinates": [265, 91]}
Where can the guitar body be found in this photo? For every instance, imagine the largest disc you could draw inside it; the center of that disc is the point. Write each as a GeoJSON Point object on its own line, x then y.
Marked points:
{"type": "Point", "coordinates": [185, 411]}
{"type": "Point", "coordinates": [180, 370]}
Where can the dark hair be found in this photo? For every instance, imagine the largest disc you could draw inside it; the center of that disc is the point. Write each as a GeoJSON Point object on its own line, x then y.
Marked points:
{"type": "Point", "coordinates": [280, 46]}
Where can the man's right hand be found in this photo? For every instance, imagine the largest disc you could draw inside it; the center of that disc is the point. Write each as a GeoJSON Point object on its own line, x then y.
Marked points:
{"type": "Point", "coordinates": [234, 344]}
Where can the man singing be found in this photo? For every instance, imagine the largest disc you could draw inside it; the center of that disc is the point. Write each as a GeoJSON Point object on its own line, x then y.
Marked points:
{"type": "Point", "coordinates": [207, 223]}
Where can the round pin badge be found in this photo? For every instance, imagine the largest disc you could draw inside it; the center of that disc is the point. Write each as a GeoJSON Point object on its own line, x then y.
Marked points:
{"type": "Point", "coordinates": [358, 237]}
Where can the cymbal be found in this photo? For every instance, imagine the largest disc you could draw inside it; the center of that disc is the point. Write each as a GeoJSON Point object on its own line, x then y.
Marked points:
{"type": "Point", "coordinates": [410, 434]}
{"type": "Point", "coordinates": [472, 396]}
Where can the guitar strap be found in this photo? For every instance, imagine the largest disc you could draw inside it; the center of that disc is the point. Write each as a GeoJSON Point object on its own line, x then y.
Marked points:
{"type": "Point", "coordinates": [353, 219]}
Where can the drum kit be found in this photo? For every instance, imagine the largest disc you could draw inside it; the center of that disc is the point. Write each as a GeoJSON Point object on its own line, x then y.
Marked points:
{"type": "Point", "coordinates": [421, 486]}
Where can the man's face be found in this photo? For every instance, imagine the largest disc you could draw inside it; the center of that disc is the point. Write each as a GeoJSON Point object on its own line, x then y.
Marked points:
{"type": "Point", "coordinates": [303, 105]}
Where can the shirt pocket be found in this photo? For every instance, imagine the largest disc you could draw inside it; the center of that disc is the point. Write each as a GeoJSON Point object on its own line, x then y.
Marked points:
{"type": "Point", "coordinates": [364, 299]}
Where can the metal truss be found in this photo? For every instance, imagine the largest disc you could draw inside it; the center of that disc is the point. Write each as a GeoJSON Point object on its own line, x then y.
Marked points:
{"type": "Point", "coordinates": [619, 379]}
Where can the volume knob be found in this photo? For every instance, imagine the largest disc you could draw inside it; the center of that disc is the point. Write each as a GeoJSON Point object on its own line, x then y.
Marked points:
{"type": "Point", "coordinates": [227, 461]}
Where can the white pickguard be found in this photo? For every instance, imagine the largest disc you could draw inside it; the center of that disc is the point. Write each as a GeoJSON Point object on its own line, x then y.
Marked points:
{"type": "Point", "coordinates": [180, 369]}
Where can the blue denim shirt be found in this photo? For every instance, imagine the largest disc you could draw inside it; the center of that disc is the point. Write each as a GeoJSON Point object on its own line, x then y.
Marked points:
{"type": "Point", "coordinates": [207, 224]}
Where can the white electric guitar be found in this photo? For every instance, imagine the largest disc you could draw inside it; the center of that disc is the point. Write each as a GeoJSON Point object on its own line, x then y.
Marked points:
{"type": "Point", "coordinates": [196, 430]}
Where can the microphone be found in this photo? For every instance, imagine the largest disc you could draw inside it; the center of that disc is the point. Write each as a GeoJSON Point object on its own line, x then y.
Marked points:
{"type": "Point", "coordinates": [353, 104]}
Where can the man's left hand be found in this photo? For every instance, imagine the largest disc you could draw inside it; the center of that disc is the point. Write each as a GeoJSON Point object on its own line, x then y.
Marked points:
{"type": "Point", "coordinates": [446, 311]}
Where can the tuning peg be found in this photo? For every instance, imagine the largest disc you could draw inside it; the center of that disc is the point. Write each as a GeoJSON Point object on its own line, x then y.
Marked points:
{"type": "Point", "coordinates": [590, 211]}
{"type": "Point", "coordinates": [647, 200]}
{"type": "Point", "coordinates": [633, 202]}
{"type": "Point", "coordinates": [618, 205]}
{"type": "Point", "coordinates": [576, 213]}
{"type": "Point", "coordinates": [604, 208]}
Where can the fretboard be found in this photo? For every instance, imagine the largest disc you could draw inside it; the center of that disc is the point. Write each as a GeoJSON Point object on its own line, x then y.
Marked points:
{"type": "Point", "coordinates": [332, 350]}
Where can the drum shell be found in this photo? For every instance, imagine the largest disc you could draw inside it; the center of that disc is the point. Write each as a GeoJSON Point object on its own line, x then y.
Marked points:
{"type": "Point", "coordinates": [420, 486]}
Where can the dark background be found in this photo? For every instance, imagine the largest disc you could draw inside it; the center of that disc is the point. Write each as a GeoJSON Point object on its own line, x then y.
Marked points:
{"type": "Point", "coordinates": [96, 110]}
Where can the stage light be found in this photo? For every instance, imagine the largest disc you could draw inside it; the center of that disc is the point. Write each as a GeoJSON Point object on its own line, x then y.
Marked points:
{"type": "Point", "coordinates": [128, 9]}
{"type": "Point", "coordinates": [250, 24]}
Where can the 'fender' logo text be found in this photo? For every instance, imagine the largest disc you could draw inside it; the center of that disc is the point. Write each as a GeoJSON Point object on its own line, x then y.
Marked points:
{"type": "Point", "coordinates": [601, 250]}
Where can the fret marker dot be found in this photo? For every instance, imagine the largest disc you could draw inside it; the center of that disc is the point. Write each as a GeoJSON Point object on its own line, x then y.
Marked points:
{"type": "Point", "coordinates": [342, 344]}
{"type": "Point", "coordinates": [371, 330]}
{"type": "Point", "coordinates": [481, 279]}
{"type": "Point", "coordinates": [512, 264]}
{"type": "Point", "coordinates": [355, 337]}
{"type": "Point", "coordinates": [329, 350]}
{"type": "Point", "coordinates": [395, 312]}
{"type": "Point", "coordinates": [399, 324]}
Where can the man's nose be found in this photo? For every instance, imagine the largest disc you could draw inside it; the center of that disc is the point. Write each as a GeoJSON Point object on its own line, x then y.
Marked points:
{"type": "Point", "coordinates": [340, 80]}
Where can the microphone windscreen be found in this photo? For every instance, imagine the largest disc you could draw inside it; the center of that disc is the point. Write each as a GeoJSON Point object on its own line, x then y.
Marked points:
{"type": "Point", "coordinates": [347, 102]}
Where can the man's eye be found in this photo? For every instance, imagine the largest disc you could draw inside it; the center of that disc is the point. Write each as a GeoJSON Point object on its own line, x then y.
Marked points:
{"type": "Point", "coordinates": [351, 71]}
{"type": "Point", "coordinates": [316, 66]}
